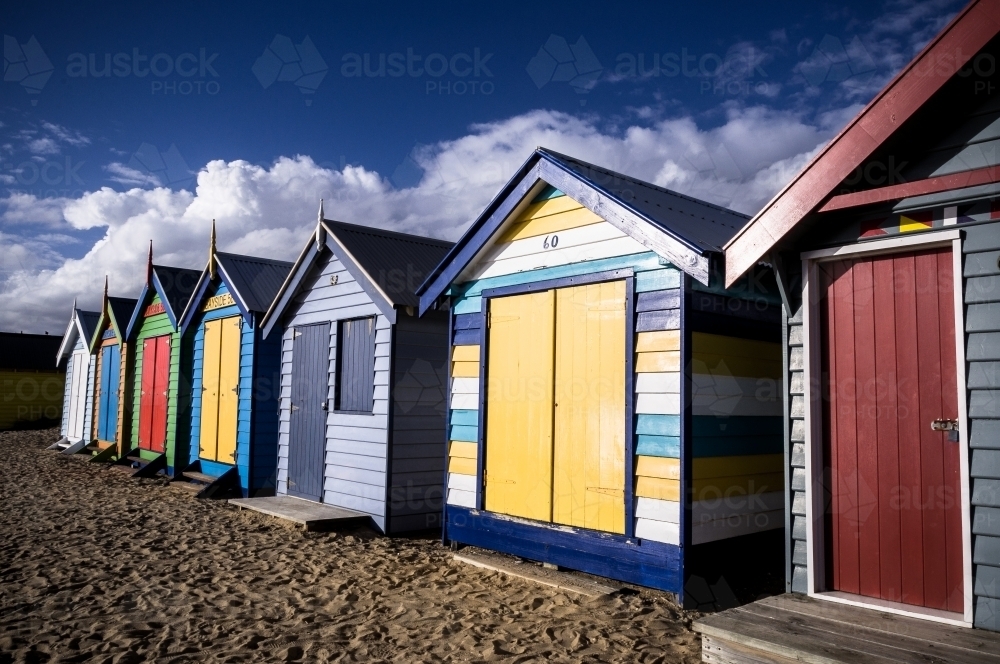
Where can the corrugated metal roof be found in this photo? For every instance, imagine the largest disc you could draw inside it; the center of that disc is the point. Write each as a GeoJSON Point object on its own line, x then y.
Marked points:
{"type": "Point", "coordinates": [88, 322]}
{"type": "Point", "coordinates": [707, 226]}
{"type": "Point", "coordinates": [397, 262]}
{"type": "Point", "coordinates": [178, 285]}
{"type": "Point", "coordinates": [28, 352]}
{"type": "Point", "coordinates": [256, 280]}
{"type": "Point", "coordinates": [122, 308]}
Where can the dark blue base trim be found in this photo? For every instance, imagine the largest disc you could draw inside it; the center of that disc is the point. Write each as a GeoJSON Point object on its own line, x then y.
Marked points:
{"type": "Point", "coordinates": [640, 562]}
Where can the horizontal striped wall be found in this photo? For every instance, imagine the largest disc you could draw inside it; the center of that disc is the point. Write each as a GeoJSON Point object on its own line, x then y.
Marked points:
{"type": "Point", "coordinates": [585, 244]}
{"type": "Point", "coordinates": [357, 448]}
{"type": "Point", "coordinates": [736, 406]}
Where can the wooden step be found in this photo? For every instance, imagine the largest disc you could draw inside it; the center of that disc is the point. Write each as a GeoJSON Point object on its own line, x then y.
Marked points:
{"type": "Point", "coordinates": [199, 477]}
{"type": "Point", "coordinates": [186, 486]}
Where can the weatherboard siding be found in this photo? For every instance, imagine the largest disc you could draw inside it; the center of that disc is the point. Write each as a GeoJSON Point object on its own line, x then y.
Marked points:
{"type": "Point", "coordinates": [354, 474]}
{"type": "Point", "coordinates": [155, 326]}
{"type": "Point", "coordinates": [981, 285]}
{"type": "Point", "coordinates": [587, 244]}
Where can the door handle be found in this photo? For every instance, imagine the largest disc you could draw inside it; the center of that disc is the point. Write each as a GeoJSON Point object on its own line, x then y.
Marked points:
{"type": "Point", "coordinates": [324, 405]}
{"type": "Point", "coordinates": [944, 425]}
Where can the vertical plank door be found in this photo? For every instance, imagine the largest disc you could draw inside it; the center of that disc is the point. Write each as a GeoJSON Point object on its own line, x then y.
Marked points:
{"type": "Point", "coordinates": [161, 385]}
{"type": "Point", "coordinates": [229, 389]}
{"type": "Point", "coordinates": [519, 405]}
{"type": "Point", "coordinates": [78, 396]}
{"type": "Point", "coordinates": [589, 443]}
{"type": "Point", "coordinates": [889, 369]}
{"type": "Point", "coordinates": [307, 419]}
{"type": "Point", "coordinates": [209, 429]}
{"type": "Point", "coordinates": [146, 391]}
{"type": "Point", "coordinates": [110, 366]}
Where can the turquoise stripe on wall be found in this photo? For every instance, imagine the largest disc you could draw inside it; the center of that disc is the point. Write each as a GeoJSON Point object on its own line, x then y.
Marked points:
{"type": "Point", "coordinates": [655, 280]}
{"type": "Point", "coordinates": [465, 417]}
{"type": "Point", "coordinates": [466, 434]}
{"type": "Point", "coordinates": [658, 425]}
{"type": "Point", "coordinates": [738, 446]}
{"type": "Point", "coordinates": [659, 446]}
{"type": "Point", "coordinates": [643, 261]}
{"type": "Point", "coordinates": [737, 425]}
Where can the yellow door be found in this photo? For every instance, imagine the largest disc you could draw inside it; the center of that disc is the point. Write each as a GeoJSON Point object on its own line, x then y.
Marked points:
{"type": "Point", "coordinates": [220, 379]}
{"type": "Point", "coordinates": [519, 406]}
{"type": "Point", "coordinates": [589, 442]}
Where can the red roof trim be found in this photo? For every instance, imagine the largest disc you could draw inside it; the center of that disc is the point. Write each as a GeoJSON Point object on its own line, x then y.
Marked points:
{"type": "Point", "coordinates": [973, 178]}
{"type": "Point", "coordinates": [897, 102]}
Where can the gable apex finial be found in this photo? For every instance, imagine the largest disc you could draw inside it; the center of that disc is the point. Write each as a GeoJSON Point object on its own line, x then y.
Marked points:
{"type": "Point", "coordinates": [149, 264]}
{"type": "Point", "coordinates": [211, 253]}
{"type": "Point", "coordinates": [320, 233]}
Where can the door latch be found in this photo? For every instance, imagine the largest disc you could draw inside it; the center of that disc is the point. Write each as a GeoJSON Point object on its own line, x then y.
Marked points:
{"type": "Point", "coordinates": [325, 406]}
{"type": "Point", "coordinates": [951, 426]}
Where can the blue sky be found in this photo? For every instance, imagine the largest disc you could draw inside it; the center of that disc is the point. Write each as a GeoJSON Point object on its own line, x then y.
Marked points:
{"type": "Point", "coordinates": [124, 122]}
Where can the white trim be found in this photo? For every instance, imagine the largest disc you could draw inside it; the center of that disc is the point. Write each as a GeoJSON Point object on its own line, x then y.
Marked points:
{"type": "Point", "coordinates": [921, 612]}
{"type": "Point", "coordinates": [815, 530]}
{"type": "Point", "coordinates": [888, 245]}
{"type": "Point", "coordinates": [963, 429]}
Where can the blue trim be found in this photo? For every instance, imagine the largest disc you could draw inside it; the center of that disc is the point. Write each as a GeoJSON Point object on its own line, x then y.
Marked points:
{"type": "Point", "coordinates": [630, 301]}
{"type": "Point", "coordinates": [135, 312]}
{"type": "Point", "coordinates": [523, 181]}
{"type": "Point", "coordinates": [643, 562]}
{"type": "Point", "coordinates": [481, 433]}
{"type": "Point", "coordinates": [636, 262]}
{"type": "Point", "coordinates": [687, 476]}
{"type": "Point", "coordinates": [447, 441]}
{"type": "Point", "coordinates": [192, 306]}
{"type": "Point", "coordinates": [563, 282]}
{"type": "Point", "coordinates": [203, 285]}
{"type": "Point", "coordinates": [160, 290]}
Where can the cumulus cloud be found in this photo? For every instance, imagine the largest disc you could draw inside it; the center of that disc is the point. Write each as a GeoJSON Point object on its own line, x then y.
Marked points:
{"type": "Point", "coordinates": [270, 210]}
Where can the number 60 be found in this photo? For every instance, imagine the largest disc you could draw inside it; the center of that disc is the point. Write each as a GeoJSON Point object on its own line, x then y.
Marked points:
{"type": "Point", "coordinates": [551, 242]}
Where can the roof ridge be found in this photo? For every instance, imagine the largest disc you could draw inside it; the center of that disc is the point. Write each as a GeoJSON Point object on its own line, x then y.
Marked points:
{"type": "Point", "coordinates": [245, 257]}
{"type": "Point", "coordinates": [644, 183]}
{"type": "Point", "coordinates": [395, 235]}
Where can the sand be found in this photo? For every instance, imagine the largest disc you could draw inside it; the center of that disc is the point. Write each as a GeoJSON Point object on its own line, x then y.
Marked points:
{"type": "Point", "coordinates": [96, 566]}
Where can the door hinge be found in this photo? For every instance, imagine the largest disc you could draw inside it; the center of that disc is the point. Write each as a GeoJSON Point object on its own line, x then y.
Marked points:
{"type": "Point", "coordinates": [489, 319]}
{"type": "Point", "coordinates": [293, 408]}
{"type": "Point", "coordinates": [296, 334]}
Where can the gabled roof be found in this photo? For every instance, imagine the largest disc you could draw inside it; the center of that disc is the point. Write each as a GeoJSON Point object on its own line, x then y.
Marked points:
{"type": "Point", "coordinates": [81, 324]}
{"type": "Point", "coordinates": [174, 285]}
{"type": "Point", "coordinates": [681, 229]}
{"type": "Point", "coordinates": [121, 309]}
{"type": "Point", "coordinates": [252, 281]}
{"type": "Point", "coordinates": [386, 264]}
{"type": "Point", "coordinates": [944, 58]}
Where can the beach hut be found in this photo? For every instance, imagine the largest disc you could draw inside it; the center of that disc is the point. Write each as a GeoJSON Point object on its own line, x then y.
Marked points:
{"type": "Point", "coordinates": [887, 243]}
{"type": "Point", "coordinates": [362, 377]}
{"type": "Point", "coordinates": [612, 407]}
{"type": "Point", "coordinates": [78, 394]}
{"type": "Point", "coordinates": [31, 388]}
{"type": "Point", "coordinates": [109, 348]}
{"type": "Point", "coordinates": [231, 433]}
{"type": "Point", "coordinates": [153, 375]}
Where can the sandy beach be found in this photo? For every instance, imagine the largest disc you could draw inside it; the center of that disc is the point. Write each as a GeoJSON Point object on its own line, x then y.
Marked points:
{"type": "Point", "coordinates": [96, 566]}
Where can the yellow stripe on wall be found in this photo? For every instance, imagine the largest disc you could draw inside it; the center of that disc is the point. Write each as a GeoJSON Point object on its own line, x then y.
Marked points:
{"type": "Point", "coordinates": [718, 344]}
{"type": "Point", "coordinates": [712, 364]}
{"type": "Point", "coordinates": [713, 488]}
{"type": "Point", "coordinates": [464, 369]}
{"type": "Point", "coordinates": [662, 467]}
{"type": "Point", "coordinates": [551, 224]}
{"type": "Point", "coordinates": [658, 361]}
{"type": "Point", "coordinates": [462, 466]}
{"type": "Point", "coordinates": [464, 450]}
{"type": "Point", "coordinates": [656, 341]}
{"type": "Point", "coordinates": [728, 466]}
{"type": "Point", "coordinates": [655, 487]}
{"type": "Point", "coordinates": [465, 354]}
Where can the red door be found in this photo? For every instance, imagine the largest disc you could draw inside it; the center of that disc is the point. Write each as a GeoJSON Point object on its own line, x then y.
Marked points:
{"type": "Point", "coordinates": [153, 399]}
{"type": "Point", "coordinates": [894, 528]}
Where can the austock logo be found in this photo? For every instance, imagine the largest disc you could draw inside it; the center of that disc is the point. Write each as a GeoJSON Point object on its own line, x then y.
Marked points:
{"type": "Point", "coordinates": [185, 74]}
{"type": "Point", "coordinates": [285, 62]}
{"type": "Point", "coordinates": [26, 64]}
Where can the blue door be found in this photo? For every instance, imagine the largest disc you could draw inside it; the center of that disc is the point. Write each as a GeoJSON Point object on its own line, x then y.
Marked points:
{"type": "Point", "coordinates": [107, 423]}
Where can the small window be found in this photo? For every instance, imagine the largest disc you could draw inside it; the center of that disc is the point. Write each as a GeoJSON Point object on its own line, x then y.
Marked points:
{"type": "Point", "coordinates": [355, 386]}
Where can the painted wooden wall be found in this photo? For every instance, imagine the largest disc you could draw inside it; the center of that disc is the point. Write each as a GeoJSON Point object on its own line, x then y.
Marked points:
{"type": "Point", "coordinates": [254, 450]}
{"type": "Point", "coordinates": [88, 412]}
{"type": "Point", "coordinates": [586, 244]}
{"type": "Point", "coordinates": [75, 388]}
{"type": "Point", "coordinates": [154, 326]}
{"type": "Point", "coordinates": [419, 383]}
{"type": "Point", "coordinates": [738, 462]}
{"type": "Point", "coordinates": [981, 274]}
{"type": "Point", "coordinates": [356, 445]}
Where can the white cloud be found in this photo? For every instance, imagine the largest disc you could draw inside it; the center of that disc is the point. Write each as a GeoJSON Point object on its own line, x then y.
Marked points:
{"type": "Point", "coordinates": [269, 211]}
{"type": "Point", "coordinates": [123, 174]}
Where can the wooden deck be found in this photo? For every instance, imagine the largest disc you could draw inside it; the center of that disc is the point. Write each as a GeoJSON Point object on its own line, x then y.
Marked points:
{"type": "Point", "coordinates": [314, 516]}
{"type": "Point", "coordinates": [795, 628]}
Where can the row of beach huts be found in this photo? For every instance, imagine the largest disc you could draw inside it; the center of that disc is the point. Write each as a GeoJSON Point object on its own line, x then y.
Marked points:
{"type": "Point", "coordinates": [609, 376]}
